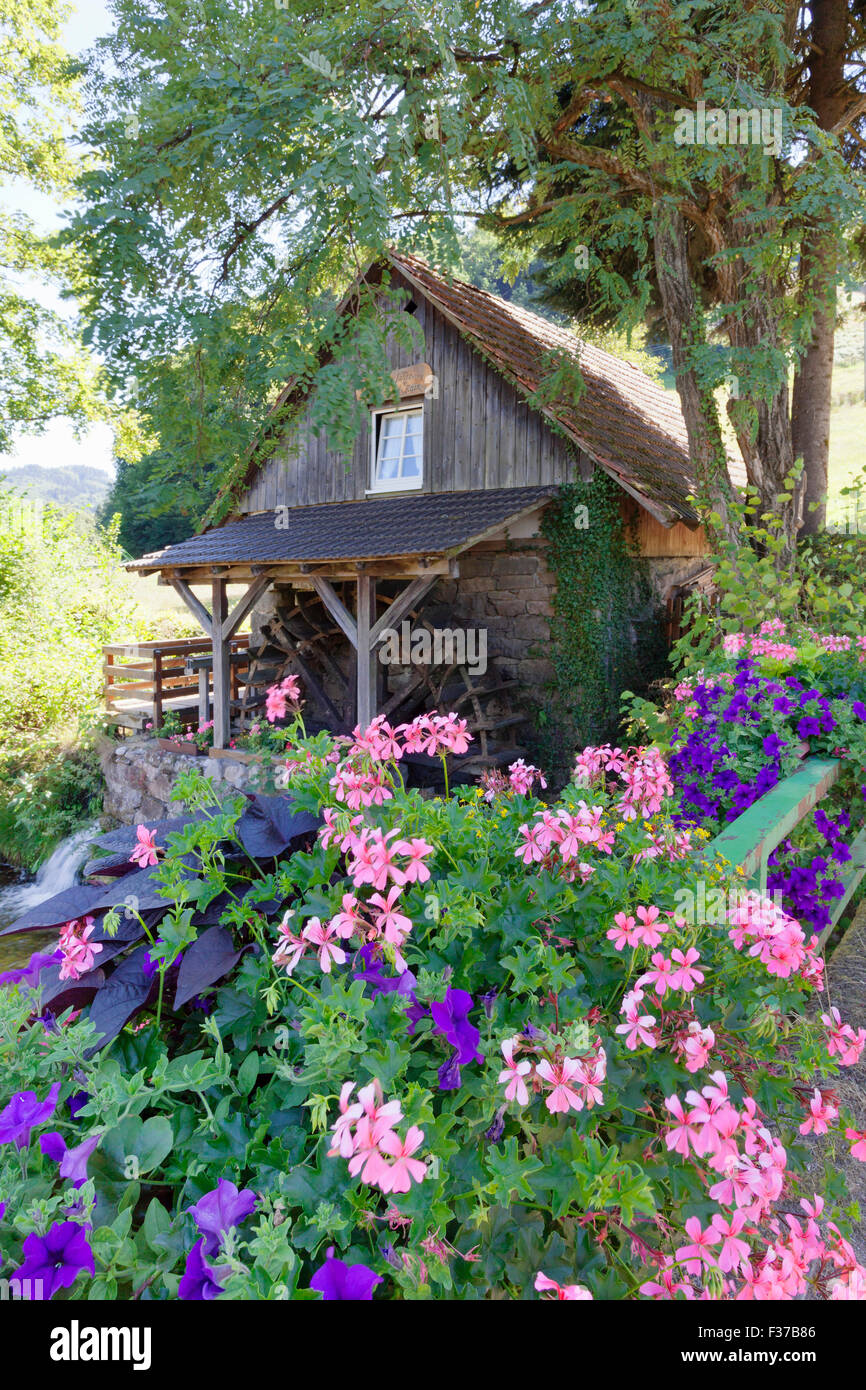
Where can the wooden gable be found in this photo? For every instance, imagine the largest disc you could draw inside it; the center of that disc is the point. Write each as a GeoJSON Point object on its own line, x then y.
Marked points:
{"type": "Point", "coordinates": [478, 433]}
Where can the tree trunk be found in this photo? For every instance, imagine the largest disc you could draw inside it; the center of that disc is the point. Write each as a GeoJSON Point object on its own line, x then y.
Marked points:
{"type": "Point", "coordinates": [700, 413]}
{"type": "Point", "coordinates": [813, 381]}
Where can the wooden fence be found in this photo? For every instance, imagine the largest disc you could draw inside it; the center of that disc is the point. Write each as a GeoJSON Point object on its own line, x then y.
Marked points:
{"type": "Point", "coordinates": [750, 839]}
{"type": "Point", "coordinates": [144, 681]}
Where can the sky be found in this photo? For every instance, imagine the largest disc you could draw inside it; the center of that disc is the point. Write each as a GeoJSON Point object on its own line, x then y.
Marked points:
{"type": "Point", "coordinates": [58, 446]}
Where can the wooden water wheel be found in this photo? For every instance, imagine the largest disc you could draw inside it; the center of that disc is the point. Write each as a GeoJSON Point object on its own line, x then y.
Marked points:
{"type": "Point", "coordinates": [304, 639]}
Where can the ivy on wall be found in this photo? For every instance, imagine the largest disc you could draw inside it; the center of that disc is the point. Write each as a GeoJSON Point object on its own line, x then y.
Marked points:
{"type": "Point", "coordinates": [606, 634]}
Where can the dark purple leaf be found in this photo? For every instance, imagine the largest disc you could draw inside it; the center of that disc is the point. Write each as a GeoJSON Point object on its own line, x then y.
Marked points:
{"type": "Point", "coordinates": [143, 888]}
{"type": "Point", "coordinates": [58, 994]}
{"type": "Point", "coordinates": [73, 902]}
{"type": "Point", "coordinates": [108, 866]}
{"type": "Point", "coordinates": [269, 824]}
{"type": "Point", "coordinates": [207, 960]}
{"type": "Point", "coordinates": [126, 991]}
{"type": "Point", "coordinates": [125, 838]}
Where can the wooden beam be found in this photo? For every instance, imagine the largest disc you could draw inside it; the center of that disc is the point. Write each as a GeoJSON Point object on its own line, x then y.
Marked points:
{"type": "Point", "coordinates": [367, 664]}
{"type": "Point", "coordinates": [337, 609]}
{"type": "Point", "coordinates": [221, 676]}
{"type": "Point", "coordinates": [195, 605]}
{"type": "Point", "coordinates": [412, 594]}
{"type": "Point", "coordinates": [242, 608]}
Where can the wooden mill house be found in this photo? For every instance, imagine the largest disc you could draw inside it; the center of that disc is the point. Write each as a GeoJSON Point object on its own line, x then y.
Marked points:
{"type": "Point", "coordinates": [433, 521]}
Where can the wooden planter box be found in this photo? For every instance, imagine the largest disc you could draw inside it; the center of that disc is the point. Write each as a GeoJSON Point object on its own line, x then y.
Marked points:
{"type": "Point", "coordinates": [188, 749]}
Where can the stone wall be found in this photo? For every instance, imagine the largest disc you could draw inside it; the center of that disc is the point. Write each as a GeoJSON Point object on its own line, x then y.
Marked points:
{"type": "Point", "coordinates": [139, 776]}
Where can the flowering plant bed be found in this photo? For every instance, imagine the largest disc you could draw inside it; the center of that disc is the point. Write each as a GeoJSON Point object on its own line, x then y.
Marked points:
{"type": "Point", "coordinates": [436, 1048]}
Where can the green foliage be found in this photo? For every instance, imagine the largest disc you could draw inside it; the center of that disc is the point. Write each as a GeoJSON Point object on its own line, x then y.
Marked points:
{"type": "Point", "coordinates": [249, 1090]}
{"type": "Point", "coordinates": [44, 371]}
{"type": "Point", "coordinates": [605, 632]}
{"type": "Point", "coordinates": [62, 596]}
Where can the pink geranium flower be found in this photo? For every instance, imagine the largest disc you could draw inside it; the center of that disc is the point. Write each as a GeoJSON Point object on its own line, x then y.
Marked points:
{"type": "Point", "coordinates": [563, 1293]}
{"type": "Point", "coordinates": [514, 1072]}
{"type": "Point", "coordinates": [322, 936]}
{"type": "Point", "coordinates": [404, 1169]}
{"type": "Point", "coordinates": [858, 1143]}
{"type": "Point", "coordinates": [144, 852]}
{"type": "Point", "coordinates": [560, 1075]}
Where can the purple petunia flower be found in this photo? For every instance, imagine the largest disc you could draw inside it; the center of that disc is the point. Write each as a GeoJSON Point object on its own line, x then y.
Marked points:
{"type": "Point", "coordinates": [450, 1018]}
{"type": "Point", "coordinates": [73, 1162]}
{"type": "Point", "coordinates": [859, 709]}
{"type": "Point", "coordinates": [23, 1113]}
{"type": "Point", "coordinates": [217, 1212]}
{"type": "Point", "coordinates": [497, 1129]}
{"type": "Point", "coordinates": [76, 1102]}
{"type": "Point", "coordinates": [201, 1281]}
{"type": "Point", "coordinates": [450, 1078]}
{"type": "Point", "coordinates": [28, 975]}
{"type": "Point", "coordinates": [55, 1260]}
{"type": "Point", "coordinates": [339, 1282]}
{"type": "Point", "coordinates": [371, 970]}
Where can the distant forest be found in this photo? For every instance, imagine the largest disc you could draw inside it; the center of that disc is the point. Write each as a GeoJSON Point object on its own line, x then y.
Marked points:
{"type": "Point", "coordinates": [71, 485]}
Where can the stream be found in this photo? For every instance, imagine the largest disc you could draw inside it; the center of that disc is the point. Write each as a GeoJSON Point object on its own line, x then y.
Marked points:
{"type": "Point", "coordinates": [19, 893]}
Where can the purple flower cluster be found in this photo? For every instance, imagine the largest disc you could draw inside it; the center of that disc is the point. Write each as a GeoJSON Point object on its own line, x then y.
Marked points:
{"type": "Point", "coordinates": [450, 1017]}
{"type": "Point", "coordinates": [809, 888]}
{"type": "Point", "coordinates": [713, 784]}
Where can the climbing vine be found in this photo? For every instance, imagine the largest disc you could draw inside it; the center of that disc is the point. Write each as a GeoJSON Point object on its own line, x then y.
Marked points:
{"type": "Point", "coordinates": [605, 635]}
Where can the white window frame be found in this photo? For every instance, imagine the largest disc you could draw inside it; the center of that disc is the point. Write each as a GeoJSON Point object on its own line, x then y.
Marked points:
{"type": "Point", "coordinates": [385, 485]}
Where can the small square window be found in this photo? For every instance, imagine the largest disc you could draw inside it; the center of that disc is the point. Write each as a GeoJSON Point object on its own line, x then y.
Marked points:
{"type": "Point", "coordinates": [397, 450]}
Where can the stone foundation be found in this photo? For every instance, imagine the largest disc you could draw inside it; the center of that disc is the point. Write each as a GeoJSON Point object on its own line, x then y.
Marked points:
{"type": "Point", "coordinates": [139, 777]}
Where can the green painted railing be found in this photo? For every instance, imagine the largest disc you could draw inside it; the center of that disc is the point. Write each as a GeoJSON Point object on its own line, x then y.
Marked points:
{"type": "Point", "coordinates": [749, 841]}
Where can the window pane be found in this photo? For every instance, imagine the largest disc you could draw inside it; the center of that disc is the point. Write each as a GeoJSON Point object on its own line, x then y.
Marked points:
{"type": "Point", "coordinates": [398, 455]}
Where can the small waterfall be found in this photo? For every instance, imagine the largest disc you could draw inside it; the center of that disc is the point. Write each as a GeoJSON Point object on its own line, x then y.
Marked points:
{"type": "Point", "coordinates": [59, 871]}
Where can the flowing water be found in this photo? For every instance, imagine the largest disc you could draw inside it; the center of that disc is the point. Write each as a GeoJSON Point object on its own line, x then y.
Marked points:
{"type": "Point", "coordinates": [18, 895]}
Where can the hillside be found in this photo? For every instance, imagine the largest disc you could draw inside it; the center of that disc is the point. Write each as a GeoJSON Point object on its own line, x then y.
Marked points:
{"type": "Point", "coordinates": [74, 485]}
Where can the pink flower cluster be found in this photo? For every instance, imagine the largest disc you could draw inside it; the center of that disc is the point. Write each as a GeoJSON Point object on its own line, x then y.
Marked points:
{"type": "Point", "coordinates": [842, 1041]}
{"type": "Point", "coordinates": [79, 951]}
{"type": "Point", "coordinates": [364, 1134]}
{"type": "Point", "coordinates": [750, 1167]}
{"type": "Point", "coordinates": [372, 862]}
{"type": "Point", "coordinates": [564, 833]}
{"type": "Point", "coordinates": [436, 734]}
{"type": "Point", "coordinates": [280, 697]}
{"type": "Point", "coordinates": [522, 778]}
{"type": "Point", "coordinates": [778, 941]}
{"type": "Point", "coordinates": [642, 770]}
{"type": "Point", "coordinates": [572, 1082]}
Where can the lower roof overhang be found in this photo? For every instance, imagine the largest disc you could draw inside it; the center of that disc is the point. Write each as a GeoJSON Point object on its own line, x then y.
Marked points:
{"type": "Point", "coordinates": [397, 536]}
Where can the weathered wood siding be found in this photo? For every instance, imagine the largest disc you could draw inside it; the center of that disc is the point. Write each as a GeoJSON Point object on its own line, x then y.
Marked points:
{"type": "Point", "coordinates": [478, 433]}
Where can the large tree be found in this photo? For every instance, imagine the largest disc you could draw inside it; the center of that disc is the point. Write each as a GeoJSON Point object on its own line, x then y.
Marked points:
{"type": "Point", "coordinates": [253, 159]}
{"type": "Point", "coordinates": [44, 371]}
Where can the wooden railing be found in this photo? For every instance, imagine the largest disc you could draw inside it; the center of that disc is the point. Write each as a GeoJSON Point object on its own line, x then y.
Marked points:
{"type": "Point", "coordinates": [144, 681]}
{"type": "Point", "coordinates": [749, 840]}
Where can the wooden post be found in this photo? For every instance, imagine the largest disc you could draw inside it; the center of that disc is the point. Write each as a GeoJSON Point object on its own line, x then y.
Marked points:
{"type": "Point", "coordinates": [203, 694]}
{"type": "Point", "coordinates": [367, 670]}
{"type": "Point", "coordinates": [220, 647]}
{"type": "Point", "coordinates": [108, 698]}
{"type": "Point", "coordinates": [156, 676]}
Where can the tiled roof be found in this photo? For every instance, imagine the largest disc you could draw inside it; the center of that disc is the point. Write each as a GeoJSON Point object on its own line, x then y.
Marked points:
{"type": "Point", "coordinates": [426, 524]}
{"type": "Point", "coordinates": [623, 419]}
